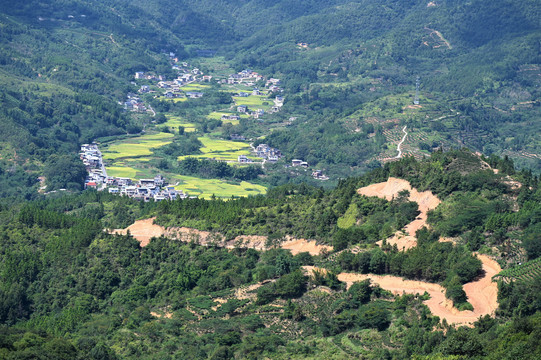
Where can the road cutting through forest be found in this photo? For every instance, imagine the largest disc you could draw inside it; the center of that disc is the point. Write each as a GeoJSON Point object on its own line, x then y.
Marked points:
{"type": "Point", "coordinates": [404, 238]}
{"type": "Point", "coordinates": [482, 293]}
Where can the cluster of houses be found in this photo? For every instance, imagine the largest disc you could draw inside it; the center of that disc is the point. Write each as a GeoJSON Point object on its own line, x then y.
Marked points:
{"type": "Point", "coordinates": [145, 189]}
{"type": "Point", "coordinates": [140, 75]}
{"type": "Point", "coordinates": [316, 174]}
{"type": "Point", "coordinates": [268, 153]}
{"type": "Point", "coordinates": [134, 103]}
{"type": "Point", "coordinates": [297, 162]}
{"type": "Point", "coordinates": [246, 76]}
{"type": "Point", "coordinates": [171, 89]}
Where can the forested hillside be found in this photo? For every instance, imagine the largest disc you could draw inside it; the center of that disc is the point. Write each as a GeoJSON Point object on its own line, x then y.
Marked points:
{"type": "Point", "coordinates": [70, 290]}
{"type": "Point", "coordinates": [350, 83]}
{"type": "Point", "coordinates": [394, 146]}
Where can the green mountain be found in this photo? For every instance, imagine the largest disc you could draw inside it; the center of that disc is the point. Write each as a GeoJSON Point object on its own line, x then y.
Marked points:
{"type": "Point", "coordinates": [388, 259]}
{"type": "Point", "coordinates": [66, 64]}
{"type": "Point", "coordinates": [72, 290]}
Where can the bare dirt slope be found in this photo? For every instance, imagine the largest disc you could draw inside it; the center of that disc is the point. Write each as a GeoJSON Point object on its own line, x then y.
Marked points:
{"type": "Point", "coordinates": [405, 238]}
{"type": "Point", "coordinates": [482, 293]}
{"type": "Point", "coordinates": [144, 230]}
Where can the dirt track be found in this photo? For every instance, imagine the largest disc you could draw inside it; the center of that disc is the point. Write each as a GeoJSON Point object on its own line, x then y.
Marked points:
{"type": "Point", "coordinates": [389, 190]}
{"type": "Point", "coordinates": [144, 230]}
{"type": "Point", "coordinates": [482, 293]}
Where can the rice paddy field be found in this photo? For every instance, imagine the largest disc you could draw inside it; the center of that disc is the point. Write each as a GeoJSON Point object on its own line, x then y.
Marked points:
{"type": "Point", "coordinates": [224, 150]}
{"type": "Point", "coordinates": [129, 158]}
{"type": "Point", "coordinates": [194, 87]}
{"type": "Point", "coordinates": [173, 122]}
{"type": "Point", "coordinates": [180, 99]}
{"type": "Point", "coordinates": [217, 115]}
{"type": "Point", "coordinates": [205, 188]}
{"type": "Point", "coordinates": [122, 171]}
{"type": "Point", "coordinates": [254, 102]}
{"type": "Point", "coordinates": [136, 147]}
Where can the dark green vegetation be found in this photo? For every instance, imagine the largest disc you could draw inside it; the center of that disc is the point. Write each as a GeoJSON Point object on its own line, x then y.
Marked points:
{"type": "Point", "coordinates": [70, 290]}
{"type": "Point", "coordinates": [523, 272]}
{"type": "Point", "coordinates": [216, 169]}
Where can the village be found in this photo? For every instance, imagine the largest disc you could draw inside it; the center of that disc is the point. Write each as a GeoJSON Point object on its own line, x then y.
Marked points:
{"type": "Point", "coordinates": [191, 83]}
{"type": "Point", "coordinates": [155, 189]}
{"type": "Point", "coordinates": [187, 75]}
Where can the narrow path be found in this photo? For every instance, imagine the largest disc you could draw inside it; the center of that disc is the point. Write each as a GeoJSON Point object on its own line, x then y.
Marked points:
{"type": "Point", "coordinates": [151, 109]}
{"type": "Point", "coordinates": [400, 143]}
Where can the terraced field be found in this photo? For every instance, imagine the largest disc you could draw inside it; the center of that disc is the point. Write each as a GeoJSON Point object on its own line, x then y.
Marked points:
{"type": "Point", "coordinates": [136, 147]}
{"type": "Point", "coordinates": [194, 87]}
{"type": "Point", "coordinates": [173, 122]}
{"type": "Point", "coordinates": [122, 171]}
{"type": "Point", "coordinates": [254, 101]}
{"type": "Point", "coordinates": [205, 188]}
{"type": "Point", "coordinates": [526, 272]}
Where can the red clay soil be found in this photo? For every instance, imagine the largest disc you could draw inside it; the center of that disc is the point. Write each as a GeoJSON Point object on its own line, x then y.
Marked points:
{"type": "Point", "coordinates": [405, 238]}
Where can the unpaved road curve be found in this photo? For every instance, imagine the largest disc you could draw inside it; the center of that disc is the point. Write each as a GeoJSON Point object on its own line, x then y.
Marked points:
{"type": "Point", "coordinates": [482, 293]}
{"type": "Point", "coordinates": [401, 142]}
{"type": "Point", "coordinates": [389, 190]}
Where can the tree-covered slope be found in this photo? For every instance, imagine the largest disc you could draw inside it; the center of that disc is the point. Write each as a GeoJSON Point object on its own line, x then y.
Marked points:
{"type": "Point", "coordinates": [70, 290]}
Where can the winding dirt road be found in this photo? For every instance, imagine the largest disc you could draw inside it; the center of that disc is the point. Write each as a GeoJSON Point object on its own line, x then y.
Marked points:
{"type": "Point", "coordinates": [401, 142]}
{"type": "Point", "coordinates": [482, 293]}
{"type": "Point", "coordinates": [405, 238]}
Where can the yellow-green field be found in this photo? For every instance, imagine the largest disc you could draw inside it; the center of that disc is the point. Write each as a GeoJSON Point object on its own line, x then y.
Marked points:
{"type": "Point", "coordinates": [181, 99]}
{"type": "Point", "coordinates": [217, 115]}
{"type": "Point", "coordinates": [217, 145]}
{"type": "Point", "coordinates": [121, 171]}
{"type": "Point", "coordinates": [194, 87]}
{"type": "Point", "coordinates": [253, 101]}
{"type": "Point", "coordinates": [221, 150]}
{"type": "Point", "coordinates": [136, 147]}
{"type": "Point", "coordinates": [174, 122]}
{"type": "Point", "coordinates": [205, 188]}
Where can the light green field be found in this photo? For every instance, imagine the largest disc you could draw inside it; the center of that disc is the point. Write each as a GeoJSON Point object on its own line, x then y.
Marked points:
{"type": "Point", "coordinates": [253, 100]}
{"type": "Point", "coordinates": [136, 147]}
{"type": "Point", "coordinates": [223, 156]}
{"type": "Point", "coordinates": [205, 188]}
{"type": "Point", "coordinates": [181, 99]}
{"type": "Point", "coordinates": [121, 171]}
{"type": "Point", "coordinates": [221, 150]}
{"type": "Point", "coordinates": [217, 145]}
{"type": "Point", "coordinates": [174, 122]}
{"type": "Point", "coordinates": [194, 87]}
{"type": "Point", "coordinates": [217, 115]}
{"type": "Point", "coordinates": [236, 88]}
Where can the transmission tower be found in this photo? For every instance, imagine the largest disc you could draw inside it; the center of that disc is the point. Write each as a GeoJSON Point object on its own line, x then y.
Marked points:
{"type": "Point", "coordinates": [417, 83]}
